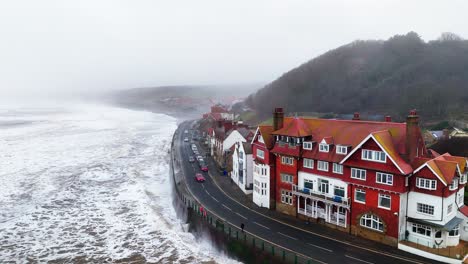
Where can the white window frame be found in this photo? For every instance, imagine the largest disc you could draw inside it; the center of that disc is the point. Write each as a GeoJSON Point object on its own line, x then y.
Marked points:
{"type": "Point", "coordinates": [384, 178]}
{"type": "Point", "coordinates": [355, 195]}
{"type": "Point", "coordinates": [287, 178]}
{"type": "Point", "coordinates": [374, 155]}
{"type": "Point", "coordinates": [450, 208]}
{"type": "Point", "coordinates": [322, 165]}
{"type": "Point", "coordinates": [308, 163]}
{"type": "Point", "coordinates": [286, 197]}
{"type": "Point", "coordinates": [427, 184]}
{"type": "Point", "coordinates": [359, 174]}
{"type": "Point", "coordinates": [389, 197]}
{"type": "Point", "coordinates": [324, 147]}
{"type": "Point", "coordinates": [373, 220]}
{"type": "Point", "coordinates": [453, 185]}
{"type": "Point", "coordinates": [424, 227]}
{"type": "Point", "coordinates": [287, 160]}
{"type": "Point", "coordinates": [262, 156]}
{"type": "Point", "coordinates": [455, 230]}
{"type": "Point", "coordinates": [343, 150]}
{"type": "Point", "coordinates": [260, 139]}
{"type": "Point", "coordinates": [337, 168]}
{"type": "Point", "coordinates": [426, 209]}
{"type": "Point", "coordinates": [307, 145]}
{"type": "Point", "coordinates": [463, 178]}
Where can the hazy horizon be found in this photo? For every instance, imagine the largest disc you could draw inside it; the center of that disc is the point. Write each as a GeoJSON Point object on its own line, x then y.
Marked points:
{"type": "Point", "coordinates": [71, 48]}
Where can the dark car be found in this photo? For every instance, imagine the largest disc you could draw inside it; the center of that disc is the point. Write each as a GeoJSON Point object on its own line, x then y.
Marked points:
{"type": "Point", "coordinates": [199, 177]}
{"type": "Point", "coordinates": [191, 159]}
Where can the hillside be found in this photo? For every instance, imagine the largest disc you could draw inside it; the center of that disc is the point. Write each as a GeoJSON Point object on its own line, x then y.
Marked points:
{"type": "Point", "coordinates": [377, 77]}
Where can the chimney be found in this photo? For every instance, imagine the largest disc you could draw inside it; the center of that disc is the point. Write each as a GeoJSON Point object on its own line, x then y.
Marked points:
{"type": "Point", "coordinates": [388, 118]}
{"type": "Point", "coordinates": [356, 116]}
{"type": "Point", "coordinates": [220, 123]}
{"type": "Point", "coordinates": [278, 117]}
{"type": "Point", "coordinates": [412, 131]}
{"type": "Point", "coordinates": [445, 134]}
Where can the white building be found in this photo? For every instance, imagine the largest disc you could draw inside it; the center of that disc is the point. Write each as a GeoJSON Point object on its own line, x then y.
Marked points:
{"type": "Point", "coordinates": [242, 162]}
{"type": "Point", "coordinates": [261, 188]}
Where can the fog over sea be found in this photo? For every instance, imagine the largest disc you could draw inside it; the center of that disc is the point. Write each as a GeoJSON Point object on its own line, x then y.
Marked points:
{"type": "Point", "coordinates": [89, 183]}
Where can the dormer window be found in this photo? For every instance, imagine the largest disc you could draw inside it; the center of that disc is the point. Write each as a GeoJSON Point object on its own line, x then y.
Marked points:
{"type": "Point", "coordinates": [373, 155]}
{"type": "Point", "coordinates": [463, 178]}
{"type": "Point", "coordinates": [307, 145]}
{"type": "Point", "coordinates": [453, 185]}
{"type": "Point", "coordinates": [324, 147]}
{"type": "Point", "coordinates": [341, 150]}
{"type": "Point", "coordinates": [426, 183]}
{"type": "Point", "coordinates": [260, 139]}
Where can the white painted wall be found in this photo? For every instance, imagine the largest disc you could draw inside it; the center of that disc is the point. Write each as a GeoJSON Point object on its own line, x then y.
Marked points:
{"type": "Point", "coordinates": [232, 139]}
{"type": "Point", "coordinates": [402, 216]}
{"type": "Point", "coordinates": [332, 182]}
{"type": "Point", "coordinates": [440, 216]}
{"type": "Point", "coordinates": [261, 178]}
{"type": "Point", "coordinates": [463, 227]}
{"type": "Point", "coordinates": [427, 254]}
{"type": "Point", "coordinates": [244, 165]}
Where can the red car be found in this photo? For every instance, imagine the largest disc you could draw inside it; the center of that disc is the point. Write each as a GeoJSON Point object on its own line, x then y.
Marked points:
{"type": "Point", "coordinates": [199, 177]}
{"type": "Point", "coordinates": [204, 168]}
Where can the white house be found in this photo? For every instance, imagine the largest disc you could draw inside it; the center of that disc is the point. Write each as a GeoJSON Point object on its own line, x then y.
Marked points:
{"type": "Point", "coordinates": [242, 162]}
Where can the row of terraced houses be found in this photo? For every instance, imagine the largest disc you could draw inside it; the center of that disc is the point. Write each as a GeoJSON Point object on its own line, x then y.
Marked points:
{"type": "Point", "coordinates": [372, 179]}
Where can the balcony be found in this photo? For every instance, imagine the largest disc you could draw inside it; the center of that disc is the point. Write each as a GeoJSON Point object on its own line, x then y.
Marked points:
{"type": "Point", "coordinates": [324, 197]}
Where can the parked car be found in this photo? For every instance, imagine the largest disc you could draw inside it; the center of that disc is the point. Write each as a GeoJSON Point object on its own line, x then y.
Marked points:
{"type": "Point", "coordinates": [196, 152]}
{"type": "Point", "coordinates": [191, 159]}
{"type": "Point", "coordinates": [186, 131]}
{"type": "Point", "coordinates": [185, 139]}
{"type": "Point", "coordinates": [200, 158]}
{"type": "Point", "coordinates": [204, 168]}
{"type": "Point", "coordinates": [199, 177]}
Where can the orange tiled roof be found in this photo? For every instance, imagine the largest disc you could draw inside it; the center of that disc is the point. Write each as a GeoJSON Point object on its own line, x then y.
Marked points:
{"type": "Point", "coordinates": [265, 131]}
{"type": "Point", "coordinates": [464, 210]}
{"type": "Point", "coordinates": [295, 127]}
{"type": "Point", "coordinates": [386, 142]}
{"type": "Point", "coordinates": [443, 168]}
{"type": "Point", "coordinates": [459, 160]}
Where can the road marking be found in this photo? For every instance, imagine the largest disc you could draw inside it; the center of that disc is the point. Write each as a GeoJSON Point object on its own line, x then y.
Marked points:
{"type": "Point", "coordinates": [215, 199]}
{"type": "Point", "coordinates": [326, 249]}
{"type": "Point", "coordinates": [358, 259]}
{"type": "Point", "coordinates": [241, 216]}
{"type": "Point", "coordinates": [205, 189]}
{"type": "Point", "coordinates": [227, 207]}
{"type": "Point", "coordinates": [207, 192]}
{"type": "Point", "coordinates": [262, 225]}
{"type": "Point", "coordinates": [287, 236]}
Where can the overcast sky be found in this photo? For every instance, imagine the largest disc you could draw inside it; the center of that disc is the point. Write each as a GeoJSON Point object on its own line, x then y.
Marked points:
{"type": "Point", "coordinates": [94, 45]}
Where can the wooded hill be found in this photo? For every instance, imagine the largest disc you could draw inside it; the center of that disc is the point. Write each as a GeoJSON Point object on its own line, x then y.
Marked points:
{"type": "Point", "coordinates": [377, 77]}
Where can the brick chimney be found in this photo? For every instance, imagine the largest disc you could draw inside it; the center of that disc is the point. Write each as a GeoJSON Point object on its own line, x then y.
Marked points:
{"type": "Point", "coordinates": [412, 131]}
{"type": "Point", "coordinates": [356, 116]}
{"type": "Point", "coordinates": [278, 117]}
{"type": "Point", "coordinates": [388, 118]}
{"type": "Point", "coordinates": [445, 134]}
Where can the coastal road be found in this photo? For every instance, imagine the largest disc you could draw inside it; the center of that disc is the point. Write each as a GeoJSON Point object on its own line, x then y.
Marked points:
{"type": "Point", "coordinates": [319, 248]}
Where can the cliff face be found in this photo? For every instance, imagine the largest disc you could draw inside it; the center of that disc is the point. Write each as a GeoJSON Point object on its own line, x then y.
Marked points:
{"type": "Point", "coordinates": [379, 77]}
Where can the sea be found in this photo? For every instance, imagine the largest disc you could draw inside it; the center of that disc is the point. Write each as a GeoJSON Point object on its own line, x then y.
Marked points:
{"type": "Point", "coordinates": [89, 183]}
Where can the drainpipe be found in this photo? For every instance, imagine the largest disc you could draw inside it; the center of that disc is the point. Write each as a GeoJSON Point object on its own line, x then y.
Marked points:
{"type": "Point", "coordinates": [351, 210]}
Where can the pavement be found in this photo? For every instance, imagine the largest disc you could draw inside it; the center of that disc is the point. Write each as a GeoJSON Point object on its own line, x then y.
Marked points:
{"type": "Point", "coordinates": [322, 244]}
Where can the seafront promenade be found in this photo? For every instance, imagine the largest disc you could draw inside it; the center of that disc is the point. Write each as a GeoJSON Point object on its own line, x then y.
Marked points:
{"type": "Point", "coordinates": [286, 237]}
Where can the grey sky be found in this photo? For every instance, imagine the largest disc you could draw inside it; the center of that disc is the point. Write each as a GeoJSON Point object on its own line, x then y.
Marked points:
{"type": "Point", "coordinates": [98, 45]}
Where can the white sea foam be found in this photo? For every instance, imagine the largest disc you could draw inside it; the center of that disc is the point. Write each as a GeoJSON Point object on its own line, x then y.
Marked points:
{"type": "Point", "coordinates": [90, 183]}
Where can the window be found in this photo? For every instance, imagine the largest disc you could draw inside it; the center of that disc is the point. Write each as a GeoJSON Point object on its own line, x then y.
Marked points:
{"type": "Point", "coordinates": [358, 174]}
{"type": "Point", "coordinates": [384, 178]}
{"type": "Point", "coordinates": [372, 222]}
{"type": "Point", "coordinates": [422, 230]}
{"type": "Point", "coordinates": [453, 185]}
{"type": "Point", "coordinates": [323, 186]}
{"type": "Point", "coordinates": [260, 139]}
{"type": "Point", "coordinates": [308, 163]}
{"type": "Point", "coordinates": [323, 147]}
{"type": "Point", "coordinates": [426, 184]}
{"type": "Point", "coordinates": [425, 208]}
{"type": "Point", "coordinates": [307, 145]}
{"type": "Point", "coordinates": [260, 154]}
{"type": "Point", "coordinates": [322, 165]}
{"type": "Point", "coordinates": [342, 150]}
{"type": "Point", "coordinates": [449, 208]}
{"type": "Point", "coordinates": [287, 160]}
{"type": "Point", "coordinates": [286, 178]}
{"type": "Point", "coordinates": [360, 196]}
{"type": "Point", "coordinates": [463, 178]}
{"type": "Point", "coordinates": [373, 155]}
{"type": "Point", "coordinates": [438, 234]}
{"type": "Point", "coordinates": [339, 191]}
{"type": "Point", "coordinates": [384, 201]}
{"type": "Point", "coordinates": [308, 184]}
{"type": "Point", "coordinates": [286, 197]}
{"type": "Point", "coordinates": [454, 231]}
{"type": "Point", "coordinates": [337, 168]}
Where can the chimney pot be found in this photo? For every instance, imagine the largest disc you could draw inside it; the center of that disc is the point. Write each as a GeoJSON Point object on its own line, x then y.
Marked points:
{"type": "Point", "coordinates": [356, 116]}
{"type": "Point", "coordinates": [388, 119]}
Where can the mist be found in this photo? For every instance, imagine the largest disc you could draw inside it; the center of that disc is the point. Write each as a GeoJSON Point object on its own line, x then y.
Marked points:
{"type": "Point", "coordinates": [65, 49]}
